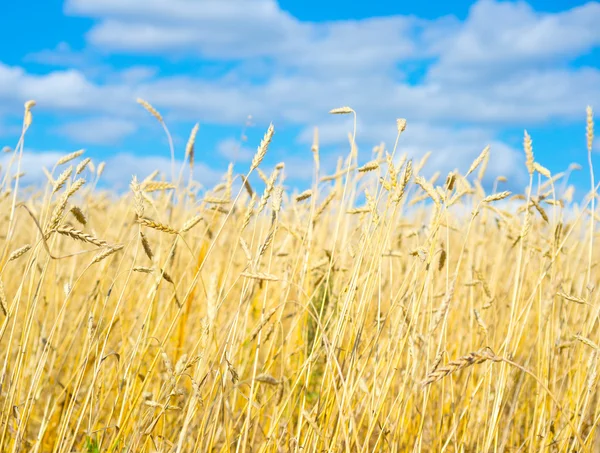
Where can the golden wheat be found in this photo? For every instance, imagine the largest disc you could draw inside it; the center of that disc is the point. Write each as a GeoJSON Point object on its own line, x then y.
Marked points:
{"type": "Point", "coordinates": [241, 321]}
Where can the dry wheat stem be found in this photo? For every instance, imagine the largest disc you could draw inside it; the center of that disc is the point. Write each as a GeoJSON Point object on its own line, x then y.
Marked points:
{"type": "Point", "coordinates": [527, 146]}
{"type": "Point", "coordinates": [146, 246]}
{"type": "Point", "coordinates": [473, 358]}
{"type": "Point", "coordinates": [62, 179]}
{"type": "Point", "coordinates": [263, 147]}
{"type": "Point", "coordinates": [3, 304]}
{"type": "Point", "coordinates": [189, 147]}
{"type": "Point", "coordinates": [153, 186]}
{"type": "Point", "coordinates": [191, 223]}
{"type": "Point", "coordinates": [150, 109]}
{"type": "Point", "coordinates": [82, 165]}
{"type": "Point", "coordinates": [478, 160]}
{"type": "Point", "coordinates": [496, 197]}
{"type": "Point", "coordinates": [69, 157]}
{"type": "Point", "coordinates": [571, 298]}
{"type": "Point", "coordinates": [80, 235]}
{"type": "Point", "coordinates": [156, 225]}
{"type": "Point", "coordinates": [369, 166]}
{"type": "Point", "coordinates": [260, 276]}
{"type": "Point", "coordinates": [19, 252]}
{"type": "Point", "coordinates": [106, 253]}
{"type": "Point", "coordinates": [304, 195]}
{"type": "Point", "coordinates": [341, 111]}
{"type": "Point", "coordinates": [79, 215]}
{"type": "Point", "coordinates": [365, 272]}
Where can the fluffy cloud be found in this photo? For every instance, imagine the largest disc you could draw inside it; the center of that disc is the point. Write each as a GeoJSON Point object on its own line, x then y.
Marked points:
{"type": "Point", "coordinates": [98, 131]}
{"type": "Point", "coordinates": [67, 90]}
{"type": "Point", "coordinates": [160, 25]}
{"type": "Point", "coordinates": [458, 83]}
{"type": "Point", "coordinates": [234, 150]}
{"type": "Point", "coordinates": [508, 35]}
{"type": "Point", "coordinates": [505, 63]}
{"type": "Point", "coordinates": [119, 168]}
{"type": "Point", "coordinates": [494, 34]}
{"type": "Point", "coordinates": [62, 55]}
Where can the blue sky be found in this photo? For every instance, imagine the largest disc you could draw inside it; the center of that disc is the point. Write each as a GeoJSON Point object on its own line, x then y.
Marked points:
{"type": "Point", "coordinates": [464, 74]}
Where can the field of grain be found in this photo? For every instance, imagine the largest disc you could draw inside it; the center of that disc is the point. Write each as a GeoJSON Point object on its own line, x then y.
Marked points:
{"type": "Point", "coordinates": [376, 311]}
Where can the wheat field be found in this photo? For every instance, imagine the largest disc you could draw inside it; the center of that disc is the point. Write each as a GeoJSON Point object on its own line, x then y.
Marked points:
{"type": "Point", "coordinates": [375, 310]}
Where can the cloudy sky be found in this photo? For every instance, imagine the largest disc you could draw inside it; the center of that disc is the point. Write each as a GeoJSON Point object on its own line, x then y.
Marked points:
{"type": "Point", "coordinates": [464, 74]}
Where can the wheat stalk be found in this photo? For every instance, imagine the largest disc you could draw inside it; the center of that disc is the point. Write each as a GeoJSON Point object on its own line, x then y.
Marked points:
{"type": "Point", "coordinates": [262, 149]}
{"type": "Point", "coordinates": [28, 117]}
{"type": "Point", "coordinates": [153, 186]}
{"type": "Point", "coordinates": [496, 197]}
{"type": "Point", "coordinates": [341, 111]}
{"type": "Point", "coordinates": [106, 253]}
{"type": "Point", "coordinates": [473, 358]}
{"type": "Point", "coordinates": [571, 298]}
{"type": "Point", "coordinates": [62, 179]}
{"type": "Point", "coordinates": [589, 127]}
{"type": "Point", "coordinates": [79, 215]}
{"type": "Point", "coordinates": [146, 246]}
{"type": "Point", "coordinates": [100, 169]}
{"type": "Point", "coordinates": [260, 276]}
{"type": "Point", "coordinates": [369, 166]}
{"type": "Point", "coordinates": [586, 341]}
{"type": "Point", "coordinates": [528, 153]}
{"type": "Point", "coordinates": [428, 188]}
{"type": "Point", "coordinates": [3, 304]}
{"type": "Point", "coordinates": [19, 252]}
{"type": "Point", "coordinates": [191, 223]}
{"type": "Point", "coordinates": [150, 109]}
{"type": "Point", "coordinates": [189, 147]}
{"type": "Point", "coordinates": [478, 160]}
{"type": "Point", "coordinates": [304, 195]}
{"type": "Point", "coordinates": [156, 225]}
{"type": "Point", "coordinates": [267, 379]}
{"type": "Point", "coordinates": [542, 170]}
{"type": "Point", "coordinates": [143, 270]}
{"type": "Point", "coordinates": [69, 157]}
{"type": "Point", "coordinates": [80, 235]}
{"type": "Point", "coordinates": [82, 165]}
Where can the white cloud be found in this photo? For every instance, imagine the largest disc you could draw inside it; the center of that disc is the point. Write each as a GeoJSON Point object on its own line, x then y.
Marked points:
{"type": "Point", "coordinates": [234, 150]}
{"type": "Point", "coordinates": [505, 64]}
{"type": "Point", "coordinates": [67, 90]}
{"type": "Point", "coordinates": [258, 29]}
{"type": "Point", "coordinates": [98, 131]}
{"type": "Point", "coordinates": [136, 74]}
{"type": "Point", "coordinates": [32, 165]}
{"type": "Point", "coordinates": [119, 168]}
{"type": "Point", "coordinates": [480, 71]}
{"type": "Point", "coordinates": [90, 64]}
{"type": "Point", "coordinates": [530, 98]}
{"type": "Point", "coordinates": [300, 168]}
{"type": "Point", "coordinates": [160, 25]}
{"type": "Point", "coordinates": [497, 34]}
{"type": "Point", "coordinates": [61, 55]}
